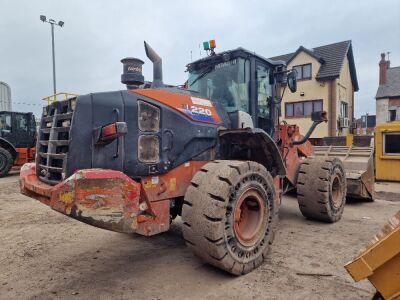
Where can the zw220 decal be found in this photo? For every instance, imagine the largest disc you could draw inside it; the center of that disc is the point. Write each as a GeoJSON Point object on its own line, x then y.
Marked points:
{"type": "Point", "coordinates": [198, 113]}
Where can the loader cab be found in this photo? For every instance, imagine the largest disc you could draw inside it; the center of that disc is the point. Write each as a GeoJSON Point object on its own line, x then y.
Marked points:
{"type": "Point", "coordinates": [241, 82]}
{"type": "Point", "coordinates": [18, 128]}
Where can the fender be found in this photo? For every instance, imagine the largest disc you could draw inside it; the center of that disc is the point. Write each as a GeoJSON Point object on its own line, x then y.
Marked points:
{"type": "Point", "coordinates": [251, 144]}
{"type": "Point", "coordinates": [10, 147]}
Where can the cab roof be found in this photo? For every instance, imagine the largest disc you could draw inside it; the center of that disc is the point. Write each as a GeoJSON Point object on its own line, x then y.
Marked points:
{"type": "Point", "coordinates": [227, 55]}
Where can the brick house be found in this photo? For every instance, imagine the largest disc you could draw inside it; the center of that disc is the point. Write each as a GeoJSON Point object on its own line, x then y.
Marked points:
{"type": "Point", "coordinates": [388, 94]}
{"type": "Point", "coordinates": [326, 80]}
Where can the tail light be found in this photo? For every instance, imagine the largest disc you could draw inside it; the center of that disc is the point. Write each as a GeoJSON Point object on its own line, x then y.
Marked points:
{"type": "Point", "coordinates": [149, 148]}
{"type": "Point", "coordinates": [149, 117]}
{"type": "Point", "coordinates": [149, 123]}
{"type": "Point", "coordinates": [108, 133]}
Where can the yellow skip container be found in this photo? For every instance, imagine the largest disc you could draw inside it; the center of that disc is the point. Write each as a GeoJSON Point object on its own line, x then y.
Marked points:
{"type": "Point", "coordinates": [380, 261]}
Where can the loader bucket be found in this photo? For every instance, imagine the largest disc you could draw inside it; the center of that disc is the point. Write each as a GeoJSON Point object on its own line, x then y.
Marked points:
{"type": "Point", "coordinates": [359, 166]}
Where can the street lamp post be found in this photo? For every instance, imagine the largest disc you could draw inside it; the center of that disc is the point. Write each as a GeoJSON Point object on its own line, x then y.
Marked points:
{"type": "Point", "coordinates": [52, 23]}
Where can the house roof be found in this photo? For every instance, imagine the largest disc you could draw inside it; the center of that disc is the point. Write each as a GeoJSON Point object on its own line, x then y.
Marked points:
{"type": "Point", "coordinates": [331, 58]}
{"type": "Point", "coordinates": [392, 86]}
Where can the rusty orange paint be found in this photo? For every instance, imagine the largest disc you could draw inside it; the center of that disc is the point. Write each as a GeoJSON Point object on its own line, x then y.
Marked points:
{"type": "Point", "coordinates": [104, 198]}
{"type": "Point", "coordinates": [157, 223]}
{"type": "Point", "coordinates": [172, 184]}
{"type": "Point", "coordinates": [181, 103]}
{"type": "Point", "coordinates": [292, 154]}
{"type": "Point", "coordinates": [24, 156]}
{"type": "Point", "coordinates": [111, 200]}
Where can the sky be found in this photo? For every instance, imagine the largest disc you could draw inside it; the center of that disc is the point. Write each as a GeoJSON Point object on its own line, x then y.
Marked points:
{"type": "Point", "coordinates": [97, 34]}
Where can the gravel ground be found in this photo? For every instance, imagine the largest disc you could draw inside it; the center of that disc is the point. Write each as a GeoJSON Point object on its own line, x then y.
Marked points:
{"type": "Point", "coordinates": [45, 255]}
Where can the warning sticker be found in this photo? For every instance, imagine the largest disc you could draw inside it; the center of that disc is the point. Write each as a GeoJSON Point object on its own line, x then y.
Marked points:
{"type": "Point", "coordinates": [154, 180]}
{"type": "Point", "coordinates": [199, 101]}
{"type": "Point", "coordinates": [172, 184]}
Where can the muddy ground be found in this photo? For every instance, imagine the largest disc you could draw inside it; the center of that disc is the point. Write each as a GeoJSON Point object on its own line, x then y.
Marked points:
{"type": "Point", "coordinates": [45, 255]}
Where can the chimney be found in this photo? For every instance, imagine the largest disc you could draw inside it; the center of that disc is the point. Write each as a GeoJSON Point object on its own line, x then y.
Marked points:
{"type": "Point", "coordinates": [383, 66]}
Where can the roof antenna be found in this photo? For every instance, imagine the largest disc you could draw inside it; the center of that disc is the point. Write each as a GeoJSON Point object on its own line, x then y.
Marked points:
{"type": "Point", "coordinates": [388, 55]}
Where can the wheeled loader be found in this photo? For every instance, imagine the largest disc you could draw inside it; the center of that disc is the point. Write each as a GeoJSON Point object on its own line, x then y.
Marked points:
{"type": "Point", "coordinates": [17, 140]}
{"type": "Point", "coordinates": [212, 152]}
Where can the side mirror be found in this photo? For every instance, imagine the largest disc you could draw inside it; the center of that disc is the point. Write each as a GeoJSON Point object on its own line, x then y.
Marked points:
{"type": "Point", "coordinates": [319, 116]}
{"type": "Point", "coordinates": [292, 81]}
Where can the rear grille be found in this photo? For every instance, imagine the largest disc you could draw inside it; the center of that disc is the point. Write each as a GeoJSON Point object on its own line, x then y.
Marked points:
{"type": "Point", "coordinates": [53, 141]}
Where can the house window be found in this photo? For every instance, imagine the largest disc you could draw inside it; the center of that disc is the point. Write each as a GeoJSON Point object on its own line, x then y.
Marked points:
{"type": "Point", "coordinates": [344, 110]}
{"type": "Point", "coordinates": [391, 143]}
{"type": "Point", "coordinates": [392, 115]}
{"type": "Point", "coordinates": [302, 108]}
{"type": "Point", "coordinates": [303, 71]}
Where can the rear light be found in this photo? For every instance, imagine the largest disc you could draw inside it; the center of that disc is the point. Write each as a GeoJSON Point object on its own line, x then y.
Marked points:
{"type": "Point", "coordinates": [148, 117]}
{"type": "Point", "coordinates": [149, 148]}
{"type": "Point", "coordinates": [108, 133]}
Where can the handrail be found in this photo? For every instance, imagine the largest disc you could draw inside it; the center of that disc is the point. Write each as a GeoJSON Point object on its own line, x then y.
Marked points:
{"type": "Point", "coordinates": [53, 98]}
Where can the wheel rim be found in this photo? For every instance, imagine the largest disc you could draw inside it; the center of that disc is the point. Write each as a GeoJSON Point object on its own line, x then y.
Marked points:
{"type": "Point", "coordinates": [249, 217]}
{"type": "Point", "coordinates": [337, 191]}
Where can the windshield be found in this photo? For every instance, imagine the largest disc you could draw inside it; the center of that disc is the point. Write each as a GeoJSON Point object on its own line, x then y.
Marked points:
{"type": "Point", "coordinates": [227, 83]}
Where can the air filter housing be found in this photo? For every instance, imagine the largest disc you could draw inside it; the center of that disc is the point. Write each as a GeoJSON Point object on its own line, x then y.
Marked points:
{"type": "Point", "coordinates": [132, 75]}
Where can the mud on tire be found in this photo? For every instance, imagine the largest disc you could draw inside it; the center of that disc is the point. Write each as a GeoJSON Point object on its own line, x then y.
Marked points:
{"type": "Point", "coordinates": [6, 162]}
{"type": "Point", "coordinates": [321, 189]}
{"type": "Point", "coordinates": [229, 215]}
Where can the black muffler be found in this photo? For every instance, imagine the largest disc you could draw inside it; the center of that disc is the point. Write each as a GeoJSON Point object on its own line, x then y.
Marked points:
{"type": "Point", "coordinates": [157, 66]}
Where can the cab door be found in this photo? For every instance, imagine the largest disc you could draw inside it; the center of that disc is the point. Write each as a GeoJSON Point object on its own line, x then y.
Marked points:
{"type": "Point", "coordinates": [21, 133]}
{"type": "Point", "coordinates": [6, 127]}
{"type": "Point", "coordinates": [264, 98]}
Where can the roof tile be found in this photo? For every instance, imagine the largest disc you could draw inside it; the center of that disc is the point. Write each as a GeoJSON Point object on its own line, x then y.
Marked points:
{"type": "Point", "coordinates": [392, 87]}
{"type": "Point", "coordinates": [333, 56]}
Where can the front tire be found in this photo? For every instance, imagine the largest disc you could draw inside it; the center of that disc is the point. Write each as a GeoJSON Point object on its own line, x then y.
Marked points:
{"type": "Point", "coordinates": [6, 162]}
{"type": "Point", "coordinates": [321, 189]}
{"type": "Point", "coordinates": [229, 215]}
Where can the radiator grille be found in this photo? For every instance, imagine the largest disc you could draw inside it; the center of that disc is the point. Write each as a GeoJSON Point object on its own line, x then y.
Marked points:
{"type": "Point", "coordinates": [53, 142]}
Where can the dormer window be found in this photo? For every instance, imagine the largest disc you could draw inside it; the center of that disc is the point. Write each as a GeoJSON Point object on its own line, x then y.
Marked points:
{"type": "Point", "coordinates": [303, 71]}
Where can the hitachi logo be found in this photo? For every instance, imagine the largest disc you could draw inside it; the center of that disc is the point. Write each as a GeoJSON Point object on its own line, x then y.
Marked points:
{"type": "Point", "coordinates": [135, 69]}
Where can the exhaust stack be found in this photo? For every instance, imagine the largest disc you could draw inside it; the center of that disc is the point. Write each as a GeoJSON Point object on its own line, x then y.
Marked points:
{"type": "Point", "coordinates": [157, 66]}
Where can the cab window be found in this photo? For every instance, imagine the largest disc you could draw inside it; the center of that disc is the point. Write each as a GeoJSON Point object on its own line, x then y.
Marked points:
{"type": "Point", "coordinates": [5, 122]}
{"type": "Point", "coordinates": [264, 93]}
{"type": "Point", "coordinates": [21, 122]}
{"type": "Point", "coordinates": [227, 83]}
{"type": "Point", "coordinates": [32, 126]}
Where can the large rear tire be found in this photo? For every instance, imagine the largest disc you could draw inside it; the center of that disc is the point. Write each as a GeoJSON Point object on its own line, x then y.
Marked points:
{"type": "Point", "coordinates": [321, 189]}
{"type": "Point", "coordinates": [229, 215]}
{"type": "Point", "coordinates": [6, 162]}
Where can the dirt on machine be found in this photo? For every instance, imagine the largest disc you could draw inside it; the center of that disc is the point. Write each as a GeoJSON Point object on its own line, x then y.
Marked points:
{"type": "Point", "coordinates": [213, 152]}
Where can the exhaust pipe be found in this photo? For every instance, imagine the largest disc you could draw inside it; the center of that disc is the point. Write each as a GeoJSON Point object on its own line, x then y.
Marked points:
{"type": "Point", "coordinates": [157, 66]}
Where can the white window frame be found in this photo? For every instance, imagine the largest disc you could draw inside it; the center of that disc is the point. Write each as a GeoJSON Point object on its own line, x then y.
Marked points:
{"type": "Point", "coordinates": [384, 134]}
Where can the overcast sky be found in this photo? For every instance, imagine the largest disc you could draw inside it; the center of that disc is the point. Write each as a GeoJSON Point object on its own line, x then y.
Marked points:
{"type": "Point", "coordinates": [97, 34]}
